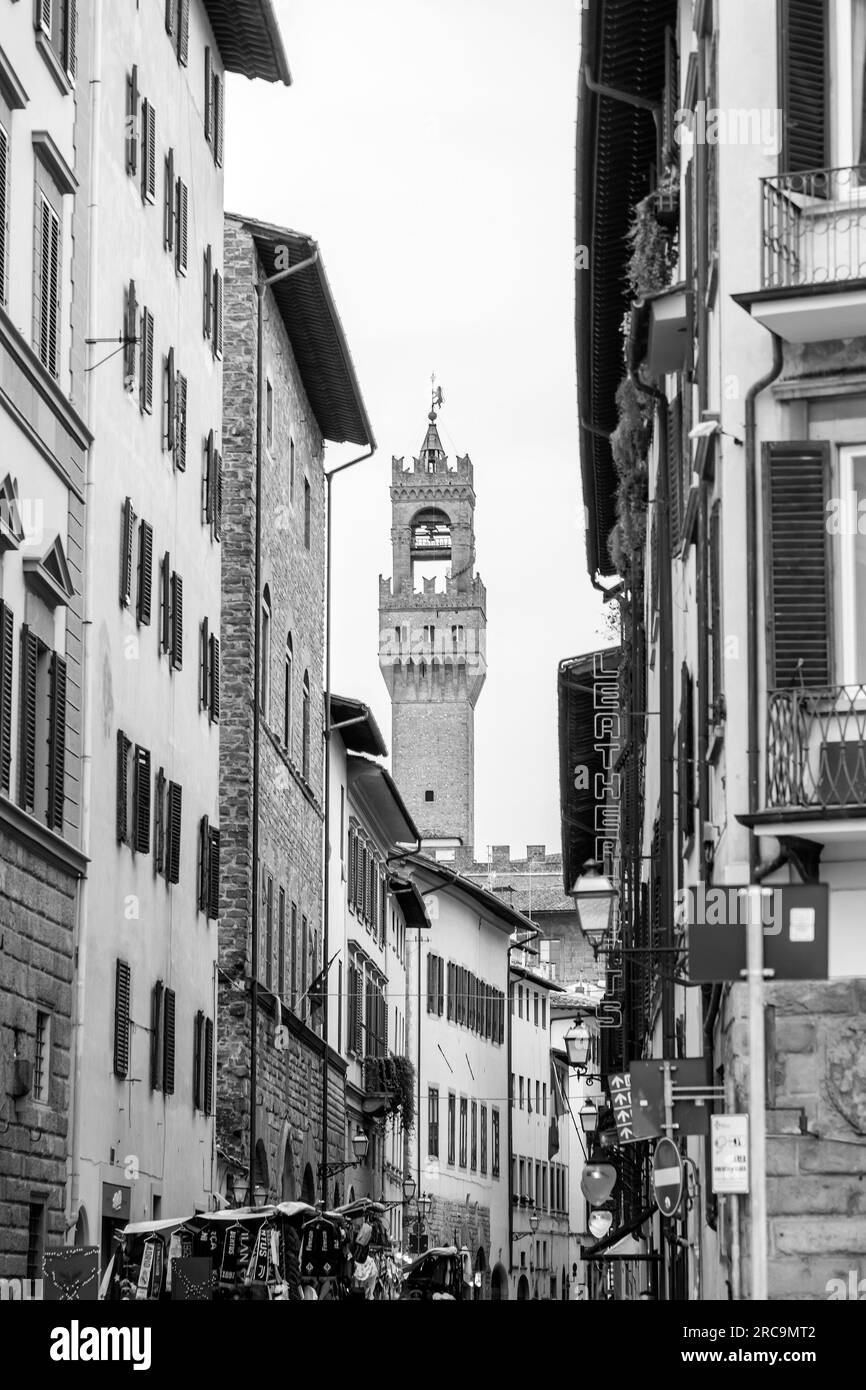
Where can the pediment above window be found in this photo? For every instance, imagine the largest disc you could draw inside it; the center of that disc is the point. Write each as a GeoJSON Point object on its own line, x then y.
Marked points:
{"type": "Point", "coordinates": [11, 526]}
{"type": "Point", "coordinates": [49, 577]}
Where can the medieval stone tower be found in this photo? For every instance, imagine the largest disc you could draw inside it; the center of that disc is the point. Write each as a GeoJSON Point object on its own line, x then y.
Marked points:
{"type": "Point", "coordinates": [432, 640]}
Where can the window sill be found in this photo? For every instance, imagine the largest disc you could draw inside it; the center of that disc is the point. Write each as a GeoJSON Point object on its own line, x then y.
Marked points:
{"type": "Point", "coordinates": [53, 63]}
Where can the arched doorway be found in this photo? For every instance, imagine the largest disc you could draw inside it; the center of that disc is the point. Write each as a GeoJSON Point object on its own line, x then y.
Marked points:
{"type": "Point", "coordinates": [480, 1267]}
{"type": "Point", "coordinates": [498, 1284]}
{"type": "Point", "coordinates": [336, 1195]}
{"type": "Point", "coordinates": [82, 1229]}
{"type": "Point", "coordinates": [523, 1287]}
{"type": "Point", "coordinates": [262, 1176]}
{"type": "Point", "coordinates": [287, 1181]}
{"type": "Point", "coordinates": [308, 1186]}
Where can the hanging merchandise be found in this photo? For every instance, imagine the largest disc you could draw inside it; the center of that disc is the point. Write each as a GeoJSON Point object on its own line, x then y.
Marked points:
{"type": "Point", "coordinates": [258, 1266]}
{"type": "Point", "coordinates": [71, 1273]}
{"type": "Point", "coordinates": [144, 1274]}
{"type": "Point", "coordinates": [192, 1279]}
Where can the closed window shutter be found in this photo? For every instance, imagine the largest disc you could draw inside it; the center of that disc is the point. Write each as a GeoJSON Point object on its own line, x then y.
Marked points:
{"type": "Point", "coordinates": [214, 664]}
{"type": "Point", "coordinates": [6, 659]}
{"type": "Point", "coordinates": [799, 612]}
{"type": "Point", "coordinates": [183, 34]}
{"type": "Point", "coordinates": [203, 844]}
{"type": "Point", "coordinates": [145, 572]}
{"type": "Point", "coordinates": [218, 116]}
{"type": "Point", "coordinates": [49, 289]}
{"type": "Point", "coordinates": [4, 209]}
{"type": "Point", "coordinates": [132, 121]}
{"type": "Point", "coordinates": [173, 825]}
{"type": "Point", "coordinates": [182, 227]}
{"type": "Point", "coordinates": [715, 568]}
{"type": "Point", "coordinates": [156, 1036]}
{"type": "Point", "coordinates": [170, 16]}
{"type": "Point", "coordinates": [180, 424]}
{"type": "Point", "coordinates": [441, 987]}
{"type": "Point", "coordinates": [431, 967]}
{"type": "Point", "coordinates": [197, 1039]}
{"type": "Point", "coordinates": [141, 799]}
{"type": "Point", "coordinates": [686, 772]}
{"type": "Point", "coordinates": [213, 874]}
{"type": "Point", "coordinates": [145, 362]}
{"type": "Point", "coordinates": [148, 152]}
{"type": "Point", "coordinates": [27, 719]}
{"type": "Point", "coordinates": [177, 622]}
{"type": "Point", "coordinates": [168, 1044]}
{"type": "Point", "coordinates": [165, 600]}
{"type": "Point", "coordinates": [129, 332]}
{"type": "Point", "coordinates": [208, 1066]}
{"type": "Point", "coordinates": [804, 84]}
{"type": "Point", "coordinates": [675, 472]}
{"type": "Point", "coordinates": [208, 95]}
{"type": "Point", "coordinates": [57, 744]}
{"type": "Point", "coordinates": [169, 402]}
{"type": "Point", "coordinates": [209, 485]}
{"type": "Point", "coordinates": [160, 836]}
{"type": "Point", "coordinates": [207, 291]}
{"type": "Point", "coordinates": [217, 314]}
{"type": "Point", "coordinates": [70, 40]}
{"type": "Point", "coordinates": [350, 869]}
{"type": "Point", "coordinates": [169, 212]}
{"type": "Point", "coordinates": [122, 812]}
{"type": "Point", "coordinates": [359, 1014]}
{"type": "Point", "coordinates": [218, 495]}
{"type": "Point", "coordinates": [670, 104]}
{"type": "Point", "coordinates": [127, 531]}
{"type": "Point", "coordinates": [204, 659]}
{"type": "Point", "coordinates": [122, 990]}
{"type": "Point", "coordinates": [45, 15]}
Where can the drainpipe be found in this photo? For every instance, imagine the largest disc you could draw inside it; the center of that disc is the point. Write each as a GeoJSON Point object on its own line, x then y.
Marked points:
{"type": "Point", "coordinates": [752, 584]}
{"type": "Point", "coordinates": [326, 846]}
{"type": "Point", "coordinates": [262, 287]}
{"type": "Point", "coordinates": [81, 927]}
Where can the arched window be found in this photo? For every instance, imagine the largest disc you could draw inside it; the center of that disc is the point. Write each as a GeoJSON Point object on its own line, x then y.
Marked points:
{"type": "Point", "coordinates": [287, 694]}
{"type": "Point", "coordinates": [265, 668]}
{"type": "Point", "coordinates": [305, 734]}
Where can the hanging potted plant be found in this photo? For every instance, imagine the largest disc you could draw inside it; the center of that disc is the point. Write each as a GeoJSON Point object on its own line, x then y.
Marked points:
{"type": "Point", "coordinates": [666, 203]}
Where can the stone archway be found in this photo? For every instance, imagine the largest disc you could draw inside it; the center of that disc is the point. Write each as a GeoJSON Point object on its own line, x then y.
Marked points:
{"type": "Point", "coordinates": [523, 1287]}
{"type": "Point", "coordinates": [499, 1284]}
{"type": "Point", "coordinates": [480, 1267]}
{"type": "Point", "coordinates": [262, 1175]}
{"type": "Point", "coordinates": [308, 1186]}
{"type": "Point", "coordinates": [288, 1182]}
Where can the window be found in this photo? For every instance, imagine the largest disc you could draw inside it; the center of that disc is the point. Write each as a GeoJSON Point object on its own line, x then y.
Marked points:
{"type": "Point", "coordinates": [133, 794]}
{"type": "Point", "coordinates": [355, 1009]}
{"type": "Point", "coordinates": [544, 1011]}
{"type": "Point", "coordinates": [208, 869]}
{"type": "Point", "coordinates": [463, 1129]}
{"type": "Point", "coordinates": [266, 966]}
{"type": "Point", "coordinates": [287, 697]}
{"type": "Point", "coordinates": [145, 363]}
{"type": "Point", "coordinates": [484, 1139]}
{"type": "Point", "coordinates": [544, 1187]}
{"type": "Point", "coordinates": [535, 1007]}
{"type": "Point", "coordinates": [429, 795]}
{"type": "Point", "coordinates": [851, 566]}
{"type": "Point", "coordinates": [132, 96]}
{"type": "Point", "coordinates": [473, 1142]}
{"type": "Point", "coordinates": [521, 1166]}
{"type": "Point", "coordinates": [162, 1039]}
{"type": "Point", "coordinates": [291, 469]}
{"type": "Point", "coordinates": [433, 1122]}
{"type": "Point", "coordinates": [47, 267]}
{"type": "Point", "coordinates": [212, 303]}
{"type": "Point", "coordinates": [797, 484]}
{"type": "Point", "coordinates": [520, 1001]}
{"type": "Point", "coordinates": [42, 1058]}
{"type": "Point", "coordinates": [36, 1237]}
{"type": "Point", "coordinates": [452, 1111]}
{"type": "Point", "coordinates": [538, 1097]}
{"type": "Point", "coordinates": [202, 1069]}
{"type": "Point", "coordinates": [281, 946]}
{"type": "Point", "coordinates": [177, 27]}
{"type": "Point", "coordinates": [293, 927]}
{"type": "Point", "coordinates": [171, 612]}
{"type": "Point", "coordinates": [269, 415]}
{"type": "Point", "coordinates": [57, 26]}
{"type": "Point", "coordinates": [715, 615]}
{"type": "Point", "coordinates": [122, 990]}
{"type": "Point", "coordinates": [494, 1142]}
{"type": "Point", "coordinates": [265, 658]}
{"type": "Point", "coordinates": [148, 152]}
{"type": "Point", "coordinates": [209, 672]}
{"type": "Point", "coordinates": [167, 827]}
{"type": "Point", "coordinates": [181, 216]}
{"type": "Point", "coordinates": [4, 213]}
{"type": "Point", "coordinates": [308, 505]}
{"type": "Point", "coordinates": [213, 108]}
{"type": "Point", "coordinates": [305, 730]}
{"type": "Point", "coordinates": [213, 486]}
{"type": "Point", "coordinates": [544, 1098]}
{"type": "Point", "coordinates": [520, 1085]}
{"type": "Point", "coordinates": [513, 1091]}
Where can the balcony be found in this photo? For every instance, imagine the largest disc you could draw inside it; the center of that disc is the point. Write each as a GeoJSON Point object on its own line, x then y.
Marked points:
{"type": "Point", "coordinates": [813, 261]}
{"type": "Point", "coordinates": [816, 761]}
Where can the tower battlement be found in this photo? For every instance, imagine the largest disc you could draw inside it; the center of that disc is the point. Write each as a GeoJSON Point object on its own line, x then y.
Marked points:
{"type": "Point", "coordinates": [418, 469]}
{"type": "Point", "coordinates": [453, 597]}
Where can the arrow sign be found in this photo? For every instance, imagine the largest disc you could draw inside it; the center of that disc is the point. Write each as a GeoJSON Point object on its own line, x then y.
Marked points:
{"type": "Point", "coordinates": [668, 1177]}
{"type": "Point", "coordinates": [619, 1084]}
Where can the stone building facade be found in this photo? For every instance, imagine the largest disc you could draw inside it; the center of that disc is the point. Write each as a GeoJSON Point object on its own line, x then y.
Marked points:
{"type": "Point", "coordinates": [44, 439]}
{"type": "Point", "coordinates": [298, 415]}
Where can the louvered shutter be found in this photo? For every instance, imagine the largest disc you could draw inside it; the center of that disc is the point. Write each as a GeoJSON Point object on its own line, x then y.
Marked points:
{"type": "Point", "coordinates": [670, 102]}
{"type": "Point", "coordinates": [431, 969]}
{"type": "Point", "coordinates": [203, 858]}
{"type": "Point", "coordinates": [208, 1066]}
{"type": "Point", "coordinates": [169, 402]}
{"type": "Point", "coordinates": [180, 424]}
{"type": "Point", "coordinates": [799, 621]}
{"type": "Point", "coordinates": [214, 664]}
{"type": "Point", "coordinates": [169, 1044]}
{"type": "Point", "coordinates": [173, 825]}
{"type": "Point", "coordinates": [122, 810]}
{"type": "Point", "coordinates": [182, 227]}
{"type": "Point", "coordinates": [156, 1036]}
{"type": "Point", "coordinates": [132, 121]}
{"type": "Point", "coordinates": [177, 622]}
{"type": "Point", "coordinates": [145, 572]}
{"type": "Point", "coordinates": [127, 531]}
{"type": "Point", "coordinates": [4, 209]}
{"type": "Point", "coordinates": [122, 991]}
{"type": "Point", "coordinates": [169, 212]}
{"type": "Point", "coordinates": [218, 495]}
{"type": "Point", "coordinates": [208, 291]}
{"type": "Point", "coordinates": [45, 15]}
{"type": "Point", "coordinates": [204, 660]}
{"type": "Point", "coordinates": [148, 152]}
{"type": "Point", "coordinates": [686, 771]}
{"type": "Point", "coordinates": [57, 744]}
{"type": "Point", "coordinates": [208, 95]}
{"type": "Point", "coordinates": [170, 17]}
{"type": "Point", "coordinates": [141, 800]}
{"type": "Point", "coordinates": [209, 485]}
{"type": "Point", "coordinates": [218, 116]}
{"type": "Point", "coordinates": [217, 314]}
{"type": "Point", "coordinates": [441, 987]}
{"type": "Point", "coordinates": [804, 82]}
{"type": "Point", "coordinates": [27, 719]}
{"type": "Point", "coordinates": [49, 289]}
{"type": "Point", "coordinates": [213, 874]}
{"type": "Point", "coordinates": [359, 1013]}
{"type": "Point", "coordinates": [165, 600]}
{"type": "Point", "coordinates": [197, 1040]}
{"type": "Point", "coordinates": [350, 868]}
{"type": "Point", "coordinates": [6, 659]}
{"type": "Point", "coordinates": [130, 331]}
{"type": "Point", "coordinates": [675, 471]}
{"type": "Point", "coordinates": [715, 572]}
{"type": "Point", "coordinates": [145, 362]}
{"type": "Point", "coordinates": [160, 835]}
{"type": "Point", "coordinates": [183, 33]}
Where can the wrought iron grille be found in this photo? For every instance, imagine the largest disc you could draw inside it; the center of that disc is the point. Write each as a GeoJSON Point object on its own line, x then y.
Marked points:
{"type": "Point", "coordinates": [814, 227]}
{"type": "Point", "coordinates": [816, 747]}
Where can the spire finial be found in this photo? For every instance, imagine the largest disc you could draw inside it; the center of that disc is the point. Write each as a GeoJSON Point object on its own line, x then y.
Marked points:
{"type": "Point", "coordinates": [437, 398]}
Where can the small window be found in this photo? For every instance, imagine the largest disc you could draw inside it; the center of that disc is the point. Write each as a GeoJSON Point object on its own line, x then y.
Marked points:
{"type": "Point", "coordinates": [36, 1237]}
{"type": "Point", "coordinates": [269, 415]}
{"type": "Point", "coordinates": [265, 654]}
{"type": "Point", "coordinates": [305, 730]}
{"type": "Point", "coordinates": [535, 1008]}
{"type": "Point", "coordinates": [452, 1116]}
{"type": "Point", "coordinates": [429, 795]}
{"type": "Point", "coordinates": [308, 519]}
{"type": "Point", "coordinates": [287, 694]}
{"type": "Point", "coordinates": [42, 1058]}
{"type": "Point", "coordinates": [291, 469]}
{"type": "Point", "coordinates": [463, 1128]}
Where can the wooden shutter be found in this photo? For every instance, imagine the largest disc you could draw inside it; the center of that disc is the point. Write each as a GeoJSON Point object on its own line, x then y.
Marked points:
{"type": "Point", "coordinates": [165, 602]}
{"type": "Point", "coordinates": [4, 209]}
{"type": "Point", "coordinates": [127, 531]}
{"type": "Point", "coordinates": [145, 572]}
{"type": "Point", "coordinates": [27, 719]}
{"type": "Point", "coordinates": [715, 575]}
{"type": "Point", "coordinates": [431, 971]}
{"type": "Point", "coordinates": [141, 800]}
{"type": "Point", "coordinates": [686, 770]}
{"type": "Point", "coordinates": [180, 424]}
{"type": "Point", "coordinates": [156, 1036]}
{"type": "Point", "coordinates": [670, 101]}
{"type": "Point", "coordinates": [214, 691]}
{"type": "Point", "coordinates": [49, 289]}
{"type": "Point", "coordinates": [218, 116]}
{"type": "Point", "coordinates": [169, 402]}
{"type": "Point", "coordinates": [145, 385]}
{"type": "Point", "coordinates": [169, 1044]}
{"type": "Point", "coordinates": [197, 1040]}
{"type": "Point", "coordinates": [207, 316]}
{"type": "Point", "coordinates": [45, 15]}
{"type": "Point", "coordinates": [209, 487]}
{"type": "Point", "coordinates": [799, 606]}
{"type": "Point", "coordinates": [183, 33]}
{"type": "Point", "coordinates": [132, 121]}
{"type": "Point", "coordinates": [208, 1066]}
{"type": "Point", "coordinates": [204, 659]}
{"type": "Point", "coordinates": [169, 212]}
{"type": "Point", "coordinates": [160, 837]}
{"type": "Point", "coordinates": [804, 84]}
{"type": "Point", "coordinates": [6, 659]}
{"type": "Point", "coordinates": [170, 17]}
{"type": "Point", "coordinates": [177, 622]}
{"type": "Point", "coordinates": [148, 152]}
{"type": "Point", "coordinates": [182, 227]}
{"type": "Point", "coordinates": [203, 847]}
{"type": "Point", "coordinates": [217, 314]}
{"type": "Point", "coordinates": [675, 472]}
{"type": "Point", "coordinates": [130, 331]}
{"type": "Point", "coordinates": [57, 744]}
{"type": "Point", "coordinates": [208, 95]}
{"type": "Point", "coordinates": [173, 827]}
{"type": "Point", "coordinates": [122, 991]}
{"type": "Point", "coordinates": [122, 811]}
{"type": "Point", "coordinates": [440, 986]}
{"type": "Point", "coordinates": [218, 495]}
{"type": "Point", "coordinates": [358, 1040]}
{"type": "Point", "coordinates": [213, 874]}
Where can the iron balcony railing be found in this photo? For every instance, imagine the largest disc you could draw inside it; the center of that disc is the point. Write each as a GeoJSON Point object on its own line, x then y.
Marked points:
{"type": "Point", "coordinates": [814, 227]}
{"type": "Point", "coordinates": [816, 747]}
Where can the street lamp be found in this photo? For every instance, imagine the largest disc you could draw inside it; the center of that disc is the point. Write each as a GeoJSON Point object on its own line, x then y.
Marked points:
{"type": "Point", "coordinates": [533, 1227]}
{"type": "Point", "coordinates": [588, 1115]}
{"type": "Point", "coordinates": [360, 1145]}
{"type": "Point", "coordinates": [595, 895]}
{"type": "Point", "coordinates": [425, 1203]}
{"type": "Point", "coordinates": [409, 1189]}
{"type": "Point", "coordinates": [578, 1041]}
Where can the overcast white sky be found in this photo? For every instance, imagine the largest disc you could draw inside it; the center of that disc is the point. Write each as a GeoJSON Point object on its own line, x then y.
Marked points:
{"type": "Point", "coordinates": [428, 145]}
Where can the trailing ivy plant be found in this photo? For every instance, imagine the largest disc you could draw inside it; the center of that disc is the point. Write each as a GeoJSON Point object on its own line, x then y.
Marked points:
{"type": "Point", "coordinates": [653, 254]}
{"type": "Point", "coordinates": [629, 445]}
{"type": "Point", "coordinates": [394, 1077]}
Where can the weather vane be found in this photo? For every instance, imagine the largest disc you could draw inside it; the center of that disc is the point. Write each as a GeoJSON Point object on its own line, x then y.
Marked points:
{"type": "Point", "coordinates": [438, 398]}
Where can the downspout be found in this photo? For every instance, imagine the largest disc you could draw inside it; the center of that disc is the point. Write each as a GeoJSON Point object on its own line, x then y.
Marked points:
{"type": "Point", "coordinates": [262, 286]}
{"type": "Point", "coordinates": [752, 584]}
{"type": "Point", "coordinates": [80, 964]}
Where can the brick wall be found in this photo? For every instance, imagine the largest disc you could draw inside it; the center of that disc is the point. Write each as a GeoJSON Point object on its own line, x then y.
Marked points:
{"type": "Point", "coordinates": [37, 913]}
{"type": "Point", "coordinates": [470, 1225]}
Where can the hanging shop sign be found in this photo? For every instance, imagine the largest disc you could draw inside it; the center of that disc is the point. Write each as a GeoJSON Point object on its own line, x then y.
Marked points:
{"type": "Point", "coordinates": [619, 1086]}
{"type": "Point", "coordinates": [730, 1153]}
{"type": "Point", "coordinates": [690, 1093]}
